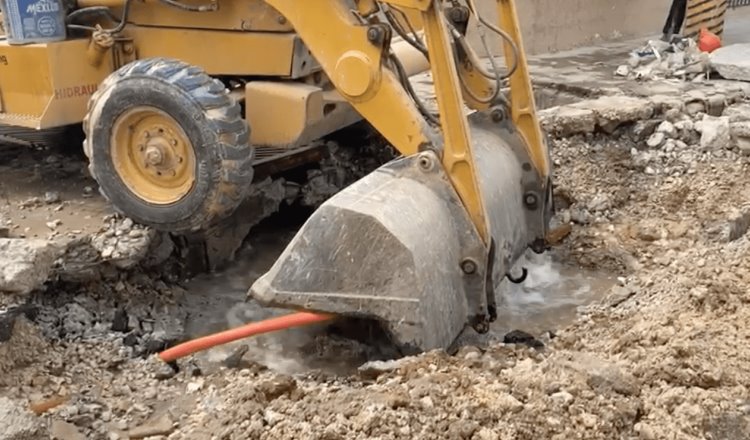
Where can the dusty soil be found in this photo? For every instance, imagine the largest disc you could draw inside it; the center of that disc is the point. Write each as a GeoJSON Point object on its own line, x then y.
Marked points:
{"type": "Point", "coordinates": [45, 194]}
{"type": "Point", "coordinates": [661, 356]}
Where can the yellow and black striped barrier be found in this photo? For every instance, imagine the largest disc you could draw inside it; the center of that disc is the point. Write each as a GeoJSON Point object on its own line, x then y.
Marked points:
{"type": "Point", "coordinates": [705, 13]}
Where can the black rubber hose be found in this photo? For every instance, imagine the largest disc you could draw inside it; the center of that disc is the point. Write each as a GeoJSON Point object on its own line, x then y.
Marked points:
{"type": "Point", "coordinates": [410, 90]}
{"type": "Point", "coordinates": [100, 9]}
{"type": "Point", "coordinates": [501, 33]}
{"type": "Point", "coordinates": [90, 10]}
{"type": "Point", "coordinates": [413, 40]}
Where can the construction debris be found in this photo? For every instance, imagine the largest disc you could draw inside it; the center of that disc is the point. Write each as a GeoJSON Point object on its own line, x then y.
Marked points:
{"type": "Point", "coordinates": [683, 59]}
{"type": "Point", "coordinates": [18, 423]}
{"type": "Point", "coordinates": [658, 59]}
{"type": "Point", "coordinates": [714, 132]}
{"type": "Point", "coordinates": [25, 264]}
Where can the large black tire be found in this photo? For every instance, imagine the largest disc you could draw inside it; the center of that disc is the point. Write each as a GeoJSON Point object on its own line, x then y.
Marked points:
{"type": "Point", "coordinates": [209, 117]}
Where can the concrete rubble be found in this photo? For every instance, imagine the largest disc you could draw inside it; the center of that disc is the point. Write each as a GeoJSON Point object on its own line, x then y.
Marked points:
{"type": "Point", "coordinates": [605, 113]}
{"type": "Point", "coordinates": [661, 60]}
{"type": "Point", "coordinates": [122, 242]}
{"type": "Point", "coordinates": [655, 121]}
{"type": "Point", "coordinates": [25, 264]}
{"type": "Point", "coordinates": [18, 423]}
{"type": "Point", "coordinates": [683, 60]}
{"type": "Point", "coordinates": [740, 134]}
{"type": "Point", "coordinates": [714, 132]}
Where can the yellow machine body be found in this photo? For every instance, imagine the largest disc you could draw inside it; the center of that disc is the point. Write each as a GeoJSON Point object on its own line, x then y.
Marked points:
{"type": "Point", "coordinates": [259, 43]}
{"type": "Point", "coordinates": [47, 85]}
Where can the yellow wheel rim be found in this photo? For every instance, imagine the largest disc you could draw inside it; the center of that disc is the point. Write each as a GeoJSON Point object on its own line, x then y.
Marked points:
{"type": "Point", "coordinates": [152, 155]}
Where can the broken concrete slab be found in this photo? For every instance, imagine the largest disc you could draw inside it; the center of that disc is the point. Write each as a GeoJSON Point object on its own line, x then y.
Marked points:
{"type": "Point", "coordinates": [667, 128]}
{"type": "Point", "coordinates": [566, 120]}
{"type": "Point", "coordinates": [733, 61]}
{"type": "Point", "coordinates": [605, 113]}
{"type": "Point", "coordinates": [612, 111]}
{"type": "Point", "coordinates": [734, 227]}
{"type": "Point", "coordinates": [25, 264]}
{"type": "Point", "coordinates": [656, 140]}
{"type": "Point", "coordinates": [740, 129]}
{"type": "Point", "coordinates": [738, 112]}
{"type": "Point", "coordinates": [18, 423]}
{"type": "Point", "coordinates": [740, 133]}
{"type": "Point", "coordinates": [715, 132]}
{"type": "Point", "coordinates": [663, 103]}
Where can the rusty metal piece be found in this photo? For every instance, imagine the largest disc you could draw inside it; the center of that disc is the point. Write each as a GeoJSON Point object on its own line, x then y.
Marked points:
{"type": "Point", "coordinates": [557, 235]}
{"type": "Point", "coordinates": [41, 406]}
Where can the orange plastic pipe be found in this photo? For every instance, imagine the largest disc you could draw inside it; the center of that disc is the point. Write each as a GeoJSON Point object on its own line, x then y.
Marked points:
{"type": "Point", "coordinates": [254, 328]}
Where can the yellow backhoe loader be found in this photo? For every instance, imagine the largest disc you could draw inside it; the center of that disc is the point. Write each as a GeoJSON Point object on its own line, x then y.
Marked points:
{"type": "Point", "coordinates": [180, 99]}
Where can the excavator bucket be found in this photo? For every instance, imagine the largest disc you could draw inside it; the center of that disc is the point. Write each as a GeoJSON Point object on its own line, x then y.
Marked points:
{"type": "Point", "coordinates": [397, 246]}
{"type": "Point", "coordinates": [421, 244]}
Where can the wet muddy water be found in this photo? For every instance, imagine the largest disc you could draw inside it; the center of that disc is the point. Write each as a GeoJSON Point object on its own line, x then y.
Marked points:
{"type": "Point", "coordinates": [547, 300]}
{"type": "Point", "coordinates": [550, 296]}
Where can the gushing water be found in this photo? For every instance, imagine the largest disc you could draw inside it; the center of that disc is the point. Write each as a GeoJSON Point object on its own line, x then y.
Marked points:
{"type": "Point", "coordinates": [546, 300]}
{"type": "Point", "coordinates": [220, 302]}
{"type": "Point", "coordinates": [549, 297]}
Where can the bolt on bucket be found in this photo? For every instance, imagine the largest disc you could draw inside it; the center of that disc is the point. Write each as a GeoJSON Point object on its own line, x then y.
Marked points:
{"type": "Point", "coordinates": [398, 246]}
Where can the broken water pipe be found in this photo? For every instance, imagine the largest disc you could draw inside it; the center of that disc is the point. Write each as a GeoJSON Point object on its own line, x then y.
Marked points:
{"type": "Point", "coordinates": [270, 325]}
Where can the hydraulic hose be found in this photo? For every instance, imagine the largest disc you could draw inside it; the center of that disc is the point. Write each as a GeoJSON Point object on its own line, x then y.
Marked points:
{"type": "Point", "coordinates": [501, 33]}
{"type": "Point", "coordinates": [252, 329]}
{"type": "Point", "coordinates": [117, 29]}
{"type": "Point", "coordinates": [90, 10]}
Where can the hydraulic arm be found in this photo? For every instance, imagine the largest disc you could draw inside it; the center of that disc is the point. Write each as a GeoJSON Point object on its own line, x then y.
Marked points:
{"type": "Point", "coordinates": [422, 243]}
{"type": "Point", "coordinates": [353, 47]}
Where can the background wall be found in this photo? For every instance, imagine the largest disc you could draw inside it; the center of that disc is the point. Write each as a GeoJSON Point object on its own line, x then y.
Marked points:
{"type": "Point", "coordinates": [553, 25]}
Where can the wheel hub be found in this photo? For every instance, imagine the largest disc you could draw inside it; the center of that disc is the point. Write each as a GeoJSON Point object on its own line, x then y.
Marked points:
{"type": "Point", "coordinates": [162, 153]}
{"type": "Point", "coordinates": [153, 155]}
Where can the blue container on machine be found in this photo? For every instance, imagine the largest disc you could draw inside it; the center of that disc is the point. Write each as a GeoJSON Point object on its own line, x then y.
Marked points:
{"type": "Point", "coordinates": [33, 21]}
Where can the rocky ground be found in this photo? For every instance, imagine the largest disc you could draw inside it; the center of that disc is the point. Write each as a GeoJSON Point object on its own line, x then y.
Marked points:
{"type": "Point", "coordinates": [652, 185]}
